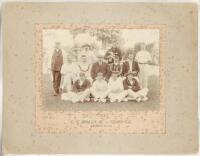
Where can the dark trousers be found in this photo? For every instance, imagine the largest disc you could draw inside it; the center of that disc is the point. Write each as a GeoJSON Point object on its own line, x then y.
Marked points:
{"type": "Point", "coordinates": [56, 80]}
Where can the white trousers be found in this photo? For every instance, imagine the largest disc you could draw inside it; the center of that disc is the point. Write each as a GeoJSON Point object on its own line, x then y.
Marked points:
{"type": "Point", "coordinates": [76, 97]}
{"type": "Point", "coordinates": [67, 81]}
{"type": "Point", "coordinates": [99, 94]}
{"type": "Point", "coordinates": [133, 95]}
{"type": "Point", "coordinates": [144, 75]}
{"type": "Point", "coordinates": [117, 96]}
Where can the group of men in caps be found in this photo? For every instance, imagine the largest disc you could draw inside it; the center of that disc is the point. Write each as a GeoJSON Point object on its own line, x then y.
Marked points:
{"type": "Point", "coordinates": [107, 77]}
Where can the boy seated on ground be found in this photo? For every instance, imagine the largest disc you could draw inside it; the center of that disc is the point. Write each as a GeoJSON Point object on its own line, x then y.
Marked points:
{"type": "Point", "coordinates": [99, 89]}
{"type": "Point", "coordinates": [80, 90]}
{"type": "Point", "coordinates": [116, 89]}
{"type": "Point", "coordinates": [134, 92]}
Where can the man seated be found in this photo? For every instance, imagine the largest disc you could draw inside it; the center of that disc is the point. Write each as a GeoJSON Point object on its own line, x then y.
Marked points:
{"type": "Point", "coordinates": [116, 89]}
{"type": "Point", "coordinates": [84, 66]}
{"type": "Point", "coordinates": [80, 91]}
{"type": "Point", "coordinates": [116, 65]}
{"type": "Point", "coordinates": [130, 65]}
{"type": "Point", "coordinates": [134, 91]}
{"type": "Point", "coordinates": [100, 66]}
{"type": "Point", "coordinates": [115, 50]}
{"type": "Point", "coordinates": [99, 89]}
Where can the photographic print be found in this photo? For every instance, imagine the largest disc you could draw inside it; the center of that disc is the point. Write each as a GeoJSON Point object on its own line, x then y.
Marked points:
{"type": "Point", "coordinates": [99, 78]}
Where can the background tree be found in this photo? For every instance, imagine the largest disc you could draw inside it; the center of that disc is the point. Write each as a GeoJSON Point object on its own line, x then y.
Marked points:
{"type": "Point", "coordinates": [105, 36]}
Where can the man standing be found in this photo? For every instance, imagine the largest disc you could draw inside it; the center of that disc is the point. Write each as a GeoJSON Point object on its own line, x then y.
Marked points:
{"type": "Point", "coordinates": [143, 58]}
{"type": "Point", "coordinates": [130, 65]}
{"type": "Point", "coordinates": [100, 66]}
{"type": "Point", "coordinates": [56, 64]}
{"type": "Point", "coordinates": [90, 55]}
{"type": "Point", "coordinates": [115, 51]}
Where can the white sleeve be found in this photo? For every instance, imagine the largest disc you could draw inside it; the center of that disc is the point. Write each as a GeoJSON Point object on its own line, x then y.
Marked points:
{"type": "Point", "coordinates": [136, 58]}
{"type": "Point", "coordinates": [121, 84]}
{"type": "Point", "coordinates": [149, 57]}
{"type": "Point", "coordinates": [63, 69]}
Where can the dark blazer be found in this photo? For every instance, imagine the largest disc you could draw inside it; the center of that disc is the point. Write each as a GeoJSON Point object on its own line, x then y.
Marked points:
{"type": "Point", "coordinates": [126, 68]}
{"type": "Point", "coordinates": [104, 68]}
{"type": "Point", "coordinates": [80, 88]}
{"type": "Point", "coordinates": [57, 61]}
{"type": "Point", "coordinates": [134, 87]}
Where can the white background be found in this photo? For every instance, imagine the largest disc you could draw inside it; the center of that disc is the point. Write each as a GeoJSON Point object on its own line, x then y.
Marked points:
{"type": "Point", "coordinates": [166, 1]}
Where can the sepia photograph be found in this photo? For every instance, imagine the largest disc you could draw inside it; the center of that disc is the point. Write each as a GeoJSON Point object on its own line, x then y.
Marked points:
{"type": "Point", "coordinates": [96, 78]}
{"type": "Point", "coordinates": [87, 68]}
{"type": "Point", "coordinates": [99, 78]}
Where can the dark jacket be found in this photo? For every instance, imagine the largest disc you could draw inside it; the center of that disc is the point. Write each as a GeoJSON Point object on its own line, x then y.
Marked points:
{"type": "Point", "coordinates": [134, 86]}
{"type": "Point", "coordinates": [57, 61]}
{"type": "Point", "coordinates": [103, 68]}
{"type": "Point", "coordinates": [80, 88]}
{"type": "Point", "coordinates": [126, 68]}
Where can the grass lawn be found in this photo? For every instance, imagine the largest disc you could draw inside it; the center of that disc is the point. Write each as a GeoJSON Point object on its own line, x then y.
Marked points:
{"type": "Point", "coordinates": [55, 103]}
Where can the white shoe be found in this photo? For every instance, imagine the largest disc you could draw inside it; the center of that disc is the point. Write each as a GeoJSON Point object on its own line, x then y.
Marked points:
{"type": "Point", "coordinates": [87, 99]}
{"type": "Point", "coordinates": [125, 100]}
{"type": "Point", "coordinates": [95, 100]}
{"type": "Point", "coordinates": [103, 100]}
{"type": "Point", "coordinates": [145, 99]}
{"type": "Point", "coordinates": [138, 99]}
{"type": "Point", "coordinates": [112, 100]}
{"type": "Point", "coordinates": [119, 100]}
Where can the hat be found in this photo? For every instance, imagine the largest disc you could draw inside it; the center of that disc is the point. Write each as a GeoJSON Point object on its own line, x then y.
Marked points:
{"type": "Point", "coordinates": [116, 57]}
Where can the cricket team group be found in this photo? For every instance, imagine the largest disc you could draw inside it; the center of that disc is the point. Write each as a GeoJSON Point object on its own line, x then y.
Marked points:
{"type": "Point", "coordinates": [106, 76]}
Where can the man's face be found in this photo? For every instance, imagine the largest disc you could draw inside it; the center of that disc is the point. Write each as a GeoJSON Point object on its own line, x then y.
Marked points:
{"type": "Point", "coordinates": [82, 77]}
{"type": "Point", "coordinates": [87, 48]}
{"type": "Point", "coordinates": [100, 59]}
{"type": "Point", "coordinates": [115, 45]}
{"type": "Point", "coordinates": [130, 77]}
{"type": "Point", "coordinates": [84, 59]}
{"type": "Point", "coordinates": [58, 46]}
{"type": "Point", "coordinates": [116, 60]}
{"type": "Point", "coordinates": [130, 56]}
